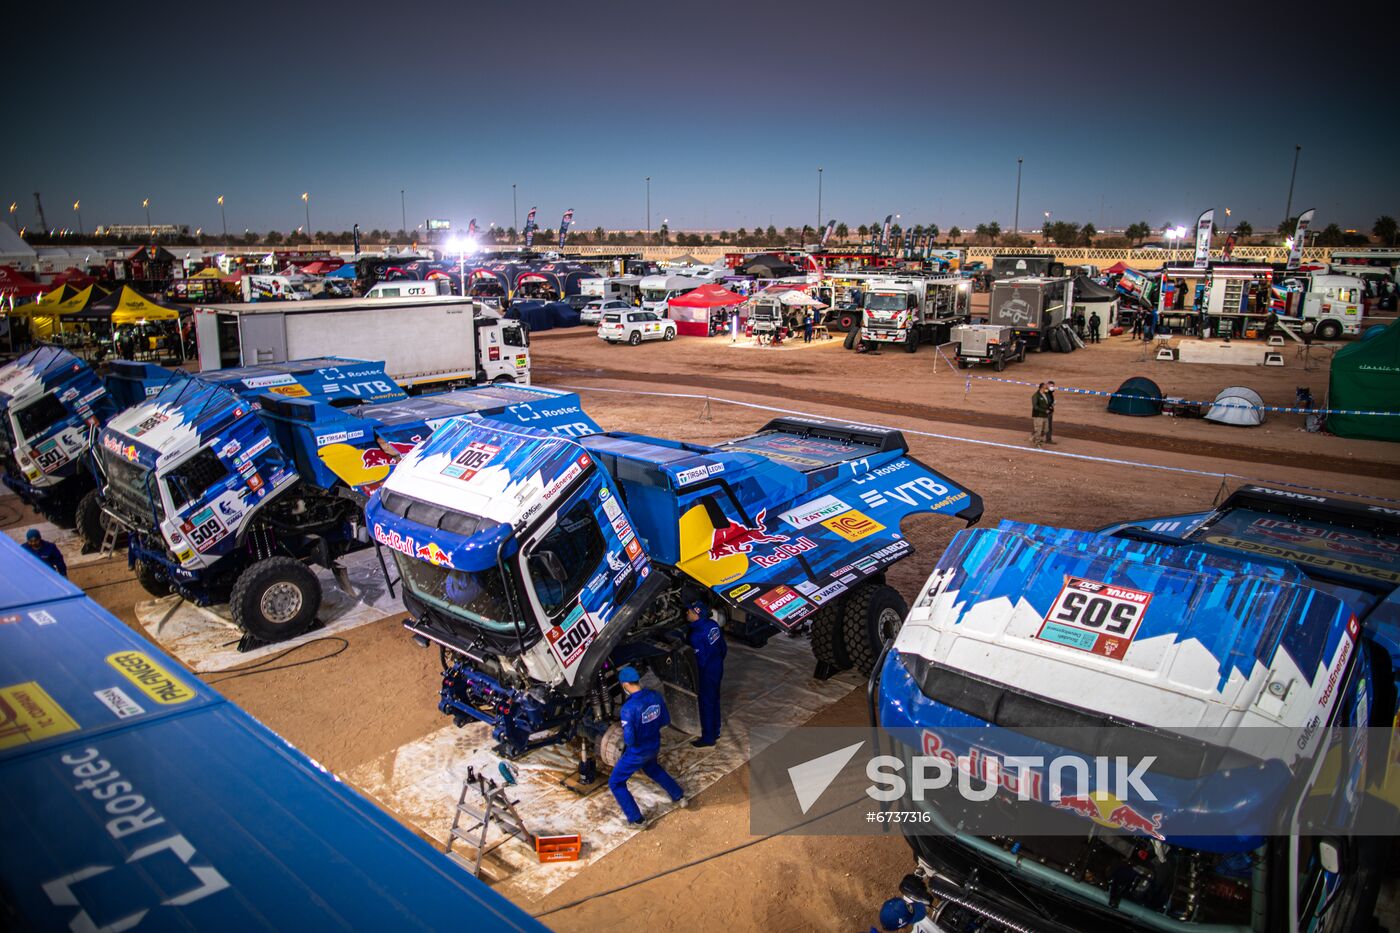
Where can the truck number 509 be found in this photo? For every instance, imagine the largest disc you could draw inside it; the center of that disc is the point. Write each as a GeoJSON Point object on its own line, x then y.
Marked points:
{"type": "Point", "coordinates": [1097, 612]}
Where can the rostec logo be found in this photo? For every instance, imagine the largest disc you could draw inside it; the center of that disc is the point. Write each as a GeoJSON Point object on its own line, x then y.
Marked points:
{"type": "Point", "coordinates": [150, 678]}
{"type": "Point", "coordinates": [736, 538]}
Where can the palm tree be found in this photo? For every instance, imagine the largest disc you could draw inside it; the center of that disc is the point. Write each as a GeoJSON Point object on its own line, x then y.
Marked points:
{"type": "Point", "coordinates": [862, 231]}
{"type": "Point", "coordinates": [933, 232]}
{"type": "Point", "coordinates": [842, 231]}
{"type": "Point", "coordinates": [1385, 229]}
{"type": "Point", "coordinates": [994, 231]}
{"type": "Point", "coordinates": [955, 233]}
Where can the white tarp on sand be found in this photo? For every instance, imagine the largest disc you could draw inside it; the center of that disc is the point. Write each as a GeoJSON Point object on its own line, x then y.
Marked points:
{"type": "Point", "coordinates": [421, 781]}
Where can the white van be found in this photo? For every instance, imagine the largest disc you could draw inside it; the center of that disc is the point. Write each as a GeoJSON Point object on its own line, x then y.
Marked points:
{"type": "Point", "coordinates": [614, 287]}
{"type": "Point", "coordinates": [657, 290]}
{"type": "Point", "coordinates": [409, 288]}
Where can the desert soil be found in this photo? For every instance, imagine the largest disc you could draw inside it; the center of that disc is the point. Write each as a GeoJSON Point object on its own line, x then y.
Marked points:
{"type": "Point", "coordinates": [381, 691]}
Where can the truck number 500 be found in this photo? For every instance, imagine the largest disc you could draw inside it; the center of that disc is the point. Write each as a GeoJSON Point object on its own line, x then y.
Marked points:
{"type": "Point", "coordinates": [1094, 611]}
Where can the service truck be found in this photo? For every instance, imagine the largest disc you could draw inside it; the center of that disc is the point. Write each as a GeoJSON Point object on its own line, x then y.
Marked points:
{"type": "Point", "coordinates": [1033, 307]}
{"type": "Point", "coordinates": [539, 564]}
{"type": "Point", "coordinates": [987, 343]}
{"type": "Point", "coordinates": [909, 310]}
{"type": "Point", "coordinates": [1251, 650]}
{"type": "Point", "coordinates": [50, 403]}
{"type": "Point", "coordinates": [427, 344]}
{"type": "Point", "coordinates": [232, 485]}
{"type": "Point", "coordinates": [658, 290]}
{"type": "Point", "coordinates": [275, 288]}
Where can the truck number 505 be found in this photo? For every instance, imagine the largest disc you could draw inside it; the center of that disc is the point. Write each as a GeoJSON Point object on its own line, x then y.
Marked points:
{"type": "Point", "coordinates": [1097, 612]}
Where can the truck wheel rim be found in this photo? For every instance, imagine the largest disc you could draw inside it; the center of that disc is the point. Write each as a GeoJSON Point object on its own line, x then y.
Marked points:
{"type": "Point", "coordinates": [280, 603]}
{"type": "Point", "coordinates": [888, 624]}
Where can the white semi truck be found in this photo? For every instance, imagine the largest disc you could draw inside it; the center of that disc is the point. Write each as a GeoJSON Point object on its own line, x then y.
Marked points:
{"type": "Point", "coordinates": [427, 344]}
{"type": "Point", "coordinates": [907, 310]}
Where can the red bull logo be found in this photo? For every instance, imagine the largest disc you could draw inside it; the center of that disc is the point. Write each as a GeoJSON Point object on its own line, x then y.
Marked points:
{"type": "Point", "coordinates": [736, 538]}
{"type": "Point", "coordinates": [374, 457]}
{"type": "Point", "coordinates": [433, 554]}
{"type": "Point", "coordinates": [1112, 813]}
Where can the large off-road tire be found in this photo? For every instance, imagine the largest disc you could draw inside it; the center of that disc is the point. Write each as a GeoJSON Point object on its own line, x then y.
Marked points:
{"type": "Point", "coordinates": [828, 646]}
{"type": "Point", "coordinates": [608, 747]}
{"type": "Point", "coordinates": [276, 599]}
{"type": "Point", "coordinates": [90, 523]}
{"type": "Point", "coordinates": [845, 322]}
{"type": "Point", "coordinates": [852, 336]}
{"type": "Point", "coordinates": [872, 616]}
{"type": "Point", "coordinates": [1000, 364]}
{"type": "Point", "coordinates": [152, 578]}
{"type": "Point", "coordinates": [912, 344]}
{"type": "Point", "coordinates": [636, 338]}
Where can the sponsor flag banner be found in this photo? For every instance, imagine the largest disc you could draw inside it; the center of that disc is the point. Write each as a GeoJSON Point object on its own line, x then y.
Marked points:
{"type": "Point", "coordinates": [564, 226]}
{"type": "Point", "coordinates": [885, 232]}
{"type": "Point", "coordinates": [1204, 225]}
{"type": "Point", "coordinates": [830, 229]}
{"type": "Point", "coordinates": [1300, 236]}
{"type": "Point", "coordinates": [530, 228]}
{"type": "Point", "coordinates": [357, 239]}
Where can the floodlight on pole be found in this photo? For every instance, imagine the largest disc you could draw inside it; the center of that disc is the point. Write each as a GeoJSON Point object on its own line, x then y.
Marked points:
{"type": "Point", "coordinates": [223, 220]}
{"type": "Point", "coordinates": [146, 203]}
{"type": "Point", "coordinates": [306, 200]}
{"type": "Point", "coordinates": [78, 209]}
{"type": "Point", "coordinates": [1016, 219]}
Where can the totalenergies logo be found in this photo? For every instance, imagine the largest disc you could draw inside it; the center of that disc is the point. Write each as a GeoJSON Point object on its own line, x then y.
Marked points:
{"type": "Point", "coordinates": [736, 538]}
{"type": "Point", "coordinates": [1107, 810]}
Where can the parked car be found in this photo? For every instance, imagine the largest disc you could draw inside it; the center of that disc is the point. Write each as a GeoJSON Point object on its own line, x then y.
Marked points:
{"type": "Point", "coordinates": [578, 302]}
{"type": "Point", "coordinates": [593, 312]}
{"type": "Point", "coordinates": [636, 326]}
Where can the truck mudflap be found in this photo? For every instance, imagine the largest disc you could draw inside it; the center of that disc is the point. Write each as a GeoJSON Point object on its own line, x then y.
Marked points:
{"type": "Point", "coordinates": [784, 566]}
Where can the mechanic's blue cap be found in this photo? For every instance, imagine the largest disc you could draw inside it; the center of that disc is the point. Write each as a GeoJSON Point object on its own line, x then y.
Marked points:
{"type": "Point", "coordinates": [629, 675]}
{"type": "Point", "coordinates": [699, 607]}
{"type": "Point", "coordinates": [32, 534]}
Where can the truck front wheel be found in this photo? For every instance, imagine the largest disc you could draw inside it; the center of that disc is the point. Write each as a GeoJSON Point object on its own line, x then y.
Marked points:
{"type": "Point", "coordinates": [1329, 330]}
{"type": "Point", "coordinates": [912, 344]}
{"type": "Point", "coordinates": [152, 578]}
{"type": "Point", "coordinates": [609, 745]}
{"type": "Point", "coordinates": [828, 646]}
{"type": "Point", "coordinates": [90, 523]}
{"type": "Point", "coordinates": [872, 616]}
{"type": "Point", "coordinates": [852, 336]}
{"type": "Point", "coordinates": [276, 599]}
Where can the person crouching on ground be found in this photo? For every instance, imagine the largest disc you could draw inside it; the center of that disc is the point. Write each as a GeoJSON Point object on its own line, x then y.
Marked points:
{"type": "Point", "coordinates": [1040, 415]}
{"type": "Point", "coordinates": [643, 716]}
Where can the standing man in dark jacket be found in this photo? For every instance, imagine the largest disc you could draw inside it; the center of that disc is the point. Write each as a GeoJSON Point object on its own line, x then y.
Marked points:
{"type": "Point", "coordinates": [707, 640]}
{"type": "Point", "coordinates": [1040, 414]}
{"type": "Point", "coordinates": [1050, 413]}
{"type": "Point", "coordinates": [643, 716]}
{"type": "Point", "coordinates": [45, 551]}
{"type": "Point", "coordinates": [1095, 322]}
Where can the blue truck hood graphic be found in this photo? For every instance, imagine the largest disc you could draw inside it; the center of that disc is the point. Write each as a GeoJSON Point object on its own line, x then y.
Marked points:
{"type": "Point", "coordinates": [179, 418]}
{"type": "Point", "coordinates": [35, 371]}
{"type": "Point", "coordinates": [1118, 632]}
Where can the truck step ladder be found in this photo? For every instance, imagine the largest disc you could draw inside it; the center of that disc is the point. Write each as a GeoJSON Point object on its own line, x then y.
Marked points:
{"type": "Point", "coordinates": [496, 809]}
{"type": "Point", "coordinates": [110, 533]}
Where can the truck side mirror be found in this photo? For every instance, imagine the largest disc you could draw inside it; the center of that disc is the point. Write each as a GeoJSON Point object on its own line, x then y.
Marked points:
{"type": "Point", "coordinates": [1329, 856]}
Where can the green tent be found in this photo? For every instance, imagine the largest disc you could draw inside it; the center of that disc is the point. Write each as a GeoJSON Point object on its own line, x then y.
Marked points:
{"type": "Point", "coordinates": [1366, 377]}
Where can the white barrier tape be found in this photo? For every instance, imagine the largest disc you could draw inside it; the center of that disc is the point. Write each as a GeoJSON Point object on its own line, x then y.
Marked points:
{"type": "Point", "coordinates": [1005, 446]}
{"type": "Point", "coordinates": [1275, 408]}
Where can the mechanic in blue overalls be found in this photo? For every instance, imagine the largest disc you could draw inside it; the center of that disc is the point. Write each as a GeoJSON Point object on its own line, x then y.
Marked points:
{"type": "Point", "coordinates": [707, 640]}
{"type": "Point", "coordinates": [643, 715]}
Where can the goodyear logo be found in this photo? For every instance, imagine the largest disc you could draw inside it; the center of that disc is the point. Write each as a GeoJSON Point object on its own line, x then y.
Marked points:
{"type": "Point", "coordinates": [150, 678]}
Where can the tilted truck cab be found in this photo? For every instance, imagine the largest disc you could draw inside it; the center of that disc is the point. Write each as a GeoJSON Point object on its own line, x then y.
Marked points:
{"type": "Point", "coordinates": [50, 404]}
{"type": "Point", "coordinates": [1251, 649]}
{"type": "Point", "coordinates": [539, 564]}
{"type": "Point", "coordinates": [233, 484]}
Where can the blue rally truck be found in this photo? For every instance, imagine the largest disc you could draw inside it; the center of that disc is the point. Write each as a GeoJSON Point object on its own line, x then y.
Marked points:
{"type": "Point", "coordinates": [540, 564]}
{"type": "Point", "coordinates": [233, 484]}
{"type": "Point", "coordinates": [50, 402]}
{"type": "Point", "coordinates": [1262, 636]}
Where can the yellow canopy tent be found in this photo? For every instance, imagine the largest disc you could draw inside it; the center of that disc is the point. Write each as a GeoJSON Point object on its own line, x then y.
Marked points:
{"type": "Point", "coordinates": [43, 312]}
{"type": "Point", "coordinates": [132, 307]}
{"type": "Point", "coordinates": [208, 272]}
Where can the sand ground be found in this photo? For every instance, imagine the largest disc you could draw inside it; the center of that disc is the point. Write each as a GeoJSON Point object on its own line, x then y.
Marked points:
{"type": "Point", "coordinates": [381, 691]}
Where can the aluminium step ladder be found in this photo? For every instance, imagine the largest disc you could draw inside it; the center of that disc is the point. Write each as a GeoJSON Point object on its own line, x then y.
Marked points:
{"type": "Point", "coordinates": [496, 809]}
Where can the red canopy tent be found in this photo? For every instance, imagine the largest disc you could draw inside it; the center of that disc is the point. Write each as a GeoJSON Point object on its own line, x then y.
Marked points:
{"type": "Point", "coordinates": [322, 266]}
{"type": "Point", "coordinates": [694, 308]}
{"type": "Point", "coordinates": [1118, 268]}
{"type": "Point", "coordinates": [13, 282]}
{"type": "Point", "coordinates": [73, 276]}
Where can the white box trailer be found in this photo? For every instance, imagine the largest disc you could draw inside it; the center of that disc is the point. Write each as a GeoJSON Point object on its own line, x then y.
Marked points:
{"type": "Point", "coordinates": [425, 343]}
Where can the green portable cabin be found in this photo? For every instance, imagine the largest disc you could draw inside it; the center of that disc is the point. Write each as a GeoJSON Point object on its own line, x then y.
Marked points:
{"type": "Point", "coordinates": [1366, 377]}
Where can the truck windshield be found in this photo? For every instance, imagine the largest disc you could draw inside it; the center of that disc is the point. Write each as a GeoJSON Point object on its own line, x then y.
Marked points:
{"type": "Point", "coordinates": [513, 335]}
{"type": "Point", "coordinates": [193, 476]}
{"type": "Point", "coordinates": [885, 301]}
{"type": "Point", "coordinates": [126, 487]}
{"type": "Point", "coordinates": [478, 596]}
{"type": "Point", "coordinates": [37, 417]}
{"type": "Point", "coordinates": [655, 294]}
{"type": "Point", "coordinates": [565, 558]}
